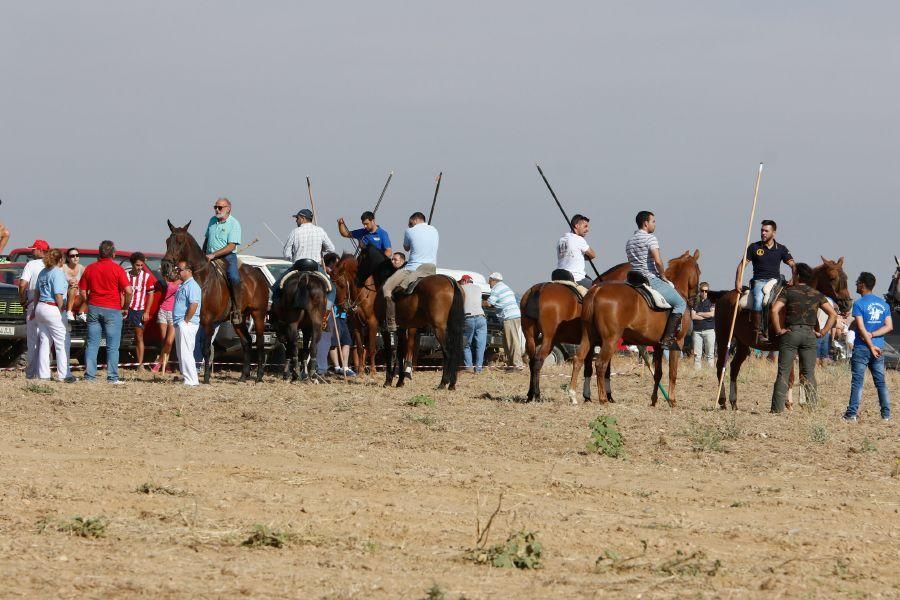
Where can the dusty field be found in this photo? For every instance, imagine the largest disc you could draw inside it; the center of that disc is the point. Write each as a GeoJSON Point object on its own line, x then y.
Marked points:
{"type": "Point", "coordinates": [379, 499]}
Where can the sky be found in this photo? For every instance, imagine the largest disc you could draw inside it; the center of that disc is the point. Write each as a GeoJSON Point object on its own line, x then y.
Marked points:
{"type": "Point", "coordinates": [115, 116]}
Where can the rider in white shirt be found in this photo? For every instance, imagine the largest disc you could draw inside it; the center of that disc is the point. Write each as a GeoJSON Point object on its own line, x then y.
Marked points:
{"type": "Point", "coordinates": [572, 249]}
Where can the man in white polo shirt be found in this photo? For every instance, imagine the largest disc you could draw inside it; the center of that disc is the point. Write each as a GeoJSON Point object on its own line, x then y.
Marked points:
{"type": "Point", "coordinates": [572, 249]}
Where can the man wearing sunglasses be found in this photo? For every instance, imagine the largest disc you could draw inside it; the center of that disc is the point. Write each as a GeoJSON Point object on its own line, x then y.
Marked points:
{"type": "Point", "coordinates": [223, 236]}
{"type": "Point", "coordinates": [704, 322]}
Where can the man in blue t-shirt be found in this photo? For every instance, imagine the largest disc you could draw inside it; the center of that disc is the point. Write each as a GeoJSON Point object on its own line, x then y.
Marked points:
{"type": "Point", "coordinates": [872, 321]}
{"type": "Point", "coordinates": [766, 255]}
{"type": "Point", "coordinates": [370, 234]}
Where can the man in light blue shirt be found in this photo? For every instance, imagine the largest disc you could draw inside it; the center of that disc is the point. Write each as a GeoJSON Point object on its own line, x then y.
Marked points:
{"type": "Point", "coordinates": [504, 300]}
{"type": "Point", "coordinates": [223, 236]}
{"type": "Point", "coordinates": [421, 242]}
{"type": "Point", "coordinates": [186, 317]}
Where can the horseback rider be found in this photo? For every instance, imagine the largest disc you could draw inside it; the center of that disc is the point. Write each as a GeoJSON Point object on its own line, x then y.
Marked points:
{"type": "Point", "coordinates": [370, 234]}
{"type": "Point", "coordinates": [766, 256]}
{"type": "Point", "coordinates": [305, 246]}
{"type": "Point", "coordinates": [223, 236]}
{"type": "Point", "coordinates": [642, 250]}
{"type": "Point", "coordinates": [572, 249]}
{"type": "Point", "coordinates": [421, 241]}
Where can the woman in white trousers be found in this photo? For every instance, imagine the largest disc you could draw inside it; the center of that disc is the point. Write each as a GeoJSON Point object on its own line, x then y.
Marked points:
{"type": "Point", "coordinates": [49, 313]}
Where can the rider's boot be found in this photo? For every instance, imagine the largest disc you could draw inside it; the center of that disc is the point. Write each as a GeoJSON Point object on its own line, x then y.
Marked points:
{"type": "Point", "coordinates": [668, 338]}
{"type": "Point", "coordinates": [237, 315]}
{"type": "Point", "coordinates": [390, 314]}
{"type": "Point", "coordinates": [757, 328]}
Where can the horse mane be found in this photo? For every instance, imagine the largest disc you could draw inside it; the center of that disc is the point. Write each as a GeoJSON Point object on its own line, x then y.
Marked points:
{"type": "Point", "coordinates": [603, 275]}
{"type": "Point", "coordinates": [677, 265]}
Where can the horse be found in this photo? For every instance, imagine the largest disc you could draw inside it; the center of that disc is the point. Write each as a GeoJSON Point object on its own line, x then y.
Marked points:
{"type": "Point", "coordinates": [436, 301]}
{"type": "Point", "coordinates": [215, 306]}
{"type": "Point", "coordinates": [830, 279]}
{"type": "Point", "coordinates": [301, 307]}
{"type": "Point", "coordinates": [363, 304]}
{"type": "Point", "coordinates": [552, 313]}
{"type": "Point", "coordinates": [614, 310]}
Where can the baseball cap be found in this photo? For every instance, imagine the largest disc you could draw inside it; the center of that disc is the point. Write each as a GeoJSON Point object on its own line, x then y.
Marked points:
{"type": "Point", "coordinates": [466, 279]}
{"type": "Point", "coordinates": [496, 276]}
{"type": "Point", "coordinates": [39, 245]}
{"type": "Point", "coordinates": [305, 213]}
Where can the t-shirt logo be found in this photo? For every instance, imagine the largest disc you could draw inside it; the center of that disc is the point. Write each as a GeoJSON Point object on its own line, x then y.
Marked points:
{"type": "Point", "coordinates": [875, 312]}
{"type": "Point", "coordinates": [760, 252]}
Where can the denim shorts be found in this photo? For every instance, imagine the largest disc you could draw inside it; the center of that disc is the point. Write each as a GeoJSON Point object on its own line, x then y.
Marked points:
{"type": "Point", "coordinates": [164, 317]}
{"type": "Point", "coordinates": [136, 318]}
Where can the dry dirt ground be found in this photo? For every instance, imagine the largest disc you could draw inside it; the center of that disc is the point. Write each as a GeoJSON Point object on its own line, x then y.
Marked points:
{"type": "Point", "coordinates": [374, 498]}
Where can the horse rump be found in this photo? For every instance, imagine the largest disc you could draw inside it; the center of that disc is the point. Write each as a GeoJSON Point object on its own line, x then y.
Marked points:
{"type": "Point", "coordinates": [453, 346]}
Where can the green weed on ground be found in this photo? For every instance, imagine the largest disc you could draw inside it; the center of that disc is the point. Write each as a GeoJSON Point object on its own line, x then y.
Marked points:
{"type": "Point", "coordinates": [521, 550]}
{"type": "Point", "coordinates": [91, 527]}
{"type": "Point", "coordinates": [264, 536]}
{"type": "Point", "coordinates": [38, 388]}
{"type": "Point", "coordinates": [421, 400]}
{"type": "Point", "coordinates": [605, 438]}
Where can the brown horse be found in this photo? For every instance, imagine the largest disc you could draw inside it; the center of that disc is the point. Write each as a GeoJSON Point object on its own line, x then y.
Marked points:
{"type": "Point", "coordinates": [436, 302]}
{"type": "Point", "coordinates": [830, 279]}
{"type": "Point", "coordinates": [301, 308]}
{"type": "Point", "coordinates": [614, 310]}
{"type": "Point", "coordinates": [215, 305]}
{"type": "Point", "coordinates": [551, 313]}
{"type": "Point", "coordinates": [363, 304]}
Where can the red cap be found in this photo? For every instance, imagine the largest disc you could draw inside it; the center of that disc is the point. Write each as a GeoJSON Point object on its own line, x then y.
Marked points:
{"type": "Point", "coordinates": [466, 279]}
{"type": "Point", "coordinates": [39, 245]}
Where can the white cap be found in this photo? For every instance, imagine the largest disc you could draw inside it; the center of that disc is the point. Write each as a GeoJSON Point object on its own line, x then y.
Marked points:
{"type": "Point", "coordinates": [496, 275]}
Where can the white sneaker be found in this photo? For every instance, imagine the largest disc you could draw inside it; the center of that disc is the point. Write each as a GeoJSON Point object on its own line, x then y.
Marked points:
{"type": "Point", "coordinates": [82, 317]}
{"type": "Point", "coordinates": [117, 382]}
{"type": "Point", "coordinates": [70, 315]}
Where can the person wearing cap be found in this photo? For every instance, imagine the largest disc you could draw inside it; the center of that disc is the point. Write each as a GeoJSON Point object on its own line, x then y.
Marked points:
{"type": "Point", "coordinates": [370, 234]}
{"type": "Point", "coordinates": [306, 241]}
{"type": "Point", "coordinates": [223, 236]}
{"type": "Point", "coordinates": [107, 293]}
{"type": "Point", "coordinates": [504, 300]}
{"type": "Point", "coordinates": [421, 241]}
{"type": "Point", "coordinates": [572, 249]}
{"type": "Point", "coordinates": [27, 297]}
{"type": "Point", "coordinates": [475, 327]}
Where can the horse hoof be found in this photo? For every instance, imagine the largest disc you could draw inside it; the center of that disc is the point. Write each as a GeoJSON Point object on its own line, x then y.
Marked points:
{"type": "Point", "coordinates": [610, 400]}
{"type": "Point", "coordinates": [441, 386]}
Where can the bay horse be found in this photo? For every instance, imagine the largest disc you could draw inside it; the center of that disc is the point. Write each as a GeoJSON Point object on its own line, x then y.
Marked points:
{"type": "Point", "coordinates": [301, 307]}
{"type": "Point", "coordinates": [363, 304]}
{"type": "Point", "coordinates": [614, 310]}
{"type": "Point", "coordinates": [830, 279]}
{"type": "Point", "coordinates": [215, 305]}
{"type": "Point", "coordinates": [552, 313]}
{"type": "Point", "coordinates": [436, 302]}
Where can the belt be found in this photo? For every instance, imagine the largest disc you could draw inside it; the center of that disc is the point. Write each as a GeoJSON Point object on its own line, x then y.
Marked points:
{"type": "Point", "coordinates": [801, 325]}
{"type": "Point", "coordinates": [50, 303]}
{"type": "Point", "coordinates": [471, 316]}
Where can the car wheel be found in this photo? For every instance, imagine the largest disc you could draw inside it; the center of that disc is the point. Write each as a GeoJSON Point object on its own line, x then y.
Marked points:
{"type": "Point", "coordinates": [556, 357]}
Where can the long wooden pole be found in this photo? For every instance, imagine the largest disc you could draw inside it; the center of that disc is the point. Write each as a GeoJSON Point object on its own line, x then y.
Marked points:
{"type": "Point", "coordinates": [337, 332]}
{"type": "Point", "coordinates": [383, 190]}
{"type": "Point", "coordinates": [437, 188]}
{"type": "Point", "coordinates": [737, 300]}
{"type": "Point", "coordinates": [563, 211]}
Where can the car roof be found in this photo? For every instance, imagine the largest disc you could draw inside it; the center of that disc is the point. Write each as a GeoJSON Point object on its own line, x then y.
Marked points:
{"type": "Point", "coordinates": [258, 261]}
{"type": "Point", "coordinates": [477, 277]}
{"type": "Point", "coordinates": [90, 252]}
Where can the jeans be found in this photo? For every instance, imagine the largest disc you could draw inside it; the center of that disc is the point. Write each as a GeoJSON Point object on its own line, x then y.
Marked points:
{"type": "Point", "coordinates": [670, 294]}
{"type": "Point", "coordinates": [231, 268]}
{"type": "Point", "coordinates": [756, 289]}
{"type": "Point", "coordinates": [705, 344]}
{"type": "Point", "coordinates": [800, 339]}
{"type": "Point", "coordinates": [108, 323]}
{"type": "Point", "coordinates": [475, 329]}
{"type": "Point", "coordinates": [823, 346]}
{"type": "Point", "coordinates": [861, 360]}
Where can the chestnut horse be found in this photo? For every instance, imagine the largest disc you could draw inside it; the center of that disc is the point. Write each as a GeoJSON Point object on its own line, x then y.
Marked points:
{"type": "Point", "coordinates": [552, 313]}
{"type": "Point", "coordinates": [830, 279]}
{"type": "Point", "coordinates": [215, 304]}
{"type": "Point", "coordinates": [363, 304]}
{"type": "Point", "coordinates": [614, 310]}
{"type": "Point", "coordinates": [436, 302]}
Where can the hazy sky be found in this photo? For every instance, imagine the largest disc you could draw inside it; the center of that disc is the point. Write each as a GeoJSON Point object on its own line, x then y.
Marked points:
{"type": "Point", "coordinates": [115, 116]}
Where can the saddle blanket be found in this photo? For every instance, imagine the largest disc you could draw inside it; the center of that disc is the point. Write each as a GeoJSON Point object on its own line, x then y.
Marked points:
{"type": "Point", "coordinates": [580, 290]}
{"type": "Point", "coordinates": [746, 300]}
{"type": "Point", "coordinates": [657, 299]}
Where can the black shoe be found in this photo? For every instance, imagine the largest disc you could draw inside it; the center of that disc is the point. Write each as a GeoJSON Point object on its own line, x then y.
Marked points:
{"type": "Point", "coordinates": [668, 338]}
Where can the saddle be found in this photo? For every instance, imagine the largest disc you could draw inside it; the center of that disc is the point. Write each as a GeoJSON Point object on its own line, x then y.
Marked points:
{"type": "Point", "coordinates": [770, 292]}
{"type": "Point", "coordinates": [317, 273]}
{"type": "Point", "coordinates": [409, 288]}
{"type": "Point", "coordinates": [641, 285]}
{"type": "Point", "coordinates": [564, 277]}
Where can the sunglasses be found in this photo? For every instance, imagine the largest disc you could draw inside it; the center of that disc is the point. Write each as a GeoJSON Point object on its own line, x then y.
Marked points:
{"type": "Point", "coordinates": [74, 255]}
{"type": "Point", "coordinates": [179, 269]}
{"type": "Point", "coordinates": [219, 207]}
{"type": "Point", "coordinates": [704, 291]}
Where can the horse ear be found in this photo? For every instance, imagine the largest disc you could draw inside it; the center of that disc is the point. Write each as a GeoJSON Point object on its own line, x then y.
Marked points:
{"type": "Point", "coordinates": [188, 225]}
{"type": "Point", "coordinates": [840, 261]}
{"type": "Point", "coordinates": [697, 254]}
{"type": "Point", "coordinates": [824, 260]}
{"type": "Point", "coordinates": [171, 227]}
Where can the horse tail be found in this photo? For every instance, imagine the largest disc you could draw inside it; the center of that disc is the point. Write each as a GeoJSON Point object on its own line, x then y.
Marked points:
{"type": "Point", "coordinates": [532, 306]}
{"type": "Point", "coordinates": [301, 292]}
{"type": "Point", "coordinates": [587, 317]}
{"type": "Point", "coordinates": [454, 340]}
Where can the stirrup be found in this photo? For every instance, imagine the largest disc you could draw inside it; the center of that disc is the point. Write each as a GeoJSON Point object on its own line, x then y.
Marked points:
{"type": "Point", "coordinates": [236, 317]}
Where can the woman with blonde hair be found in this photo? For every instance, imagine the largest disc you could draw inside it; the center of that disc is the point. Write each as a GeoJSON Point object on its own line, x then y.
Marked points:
{"type": "Point", "coordinates": [52, 289]}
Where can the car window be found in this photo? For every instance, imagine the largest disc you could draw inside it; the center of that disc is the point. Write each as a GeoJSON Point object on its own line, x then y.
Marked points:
{"type": "Point", "coordinates": [10, 275]}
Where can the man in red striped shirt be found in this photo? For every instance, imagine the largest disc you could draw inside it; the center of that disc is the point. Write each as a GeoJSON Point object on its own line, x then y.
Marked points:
{"type": "Point", "coordinates": [144, 284]}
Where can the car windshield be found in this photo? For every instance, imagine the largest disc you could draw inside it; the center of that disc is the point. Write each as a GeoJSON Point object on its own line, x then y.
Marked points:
{"type": "Point", "coordinates": [10, 274]}
{"type": "Point", "coordinates": [277, 270]}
